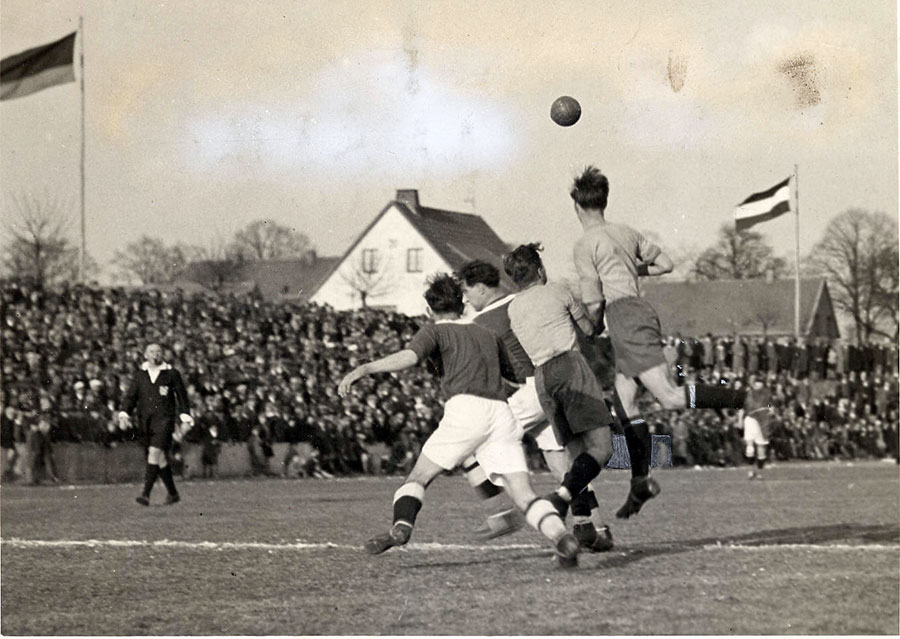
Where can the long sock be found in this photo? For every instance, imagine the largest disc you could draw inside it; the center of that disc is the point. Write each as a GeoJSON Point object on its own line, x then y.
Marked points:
{"type": "Point", "coordinates": [151, 472]}
{"type": "Point", "coordinates": [581, 506]}
{"type": "Point", "coordinates": [583, 469]}
{"type": "Point", "coordinates": [165, 473]}
{"type": "Point", "coordinates": [478, 480]}
{"type": "Point", "coordinates": [542, 516]}
{"type": "Point", "coordinates": [760, 456]}
{"type": "Point", "coordinates": [408, 502]}
{"type": "Point", "coordinates": [639, 442]}
{"type": "Point", "coordinates": [709, 396]}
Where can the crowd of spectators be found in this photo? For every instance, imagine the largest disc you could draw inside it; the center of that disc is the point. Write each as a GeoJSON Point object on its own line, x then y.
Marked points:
{"type": "Point", "coordinates": [260, 373]}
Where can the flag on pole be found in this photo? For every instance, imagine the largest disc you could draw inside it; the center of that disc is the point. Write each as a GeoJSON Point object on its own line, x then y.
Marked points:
{"type": "Point", "coordinates": [763, 206]}
{"type": "Point", "coordinates": [38, 68]}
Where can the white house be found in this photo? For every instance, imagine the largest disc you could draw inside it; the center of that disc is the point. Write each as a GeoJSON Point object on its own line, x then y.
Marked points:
{"type": "Point", "coordinates": [388, 264]}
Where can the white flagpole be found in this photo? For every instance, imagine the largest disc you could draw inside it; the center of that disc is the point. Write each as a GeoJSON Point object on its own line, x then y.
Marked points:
{"type": "Point", "coordinates": [82, 249]}
{"type": "Point", "coordinates": [796, 252]}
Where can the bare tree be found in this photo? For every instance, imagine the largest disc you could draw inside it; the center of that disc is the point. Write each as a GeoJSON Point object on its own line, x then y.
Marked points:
{"type": "Point", "coordinates": [369, 277]}
{"type": "Point", "coordinates": [150, 261]}
{"type": "Point", "coordinates": [38, 249]}
{"type": "Point", "coordinates": [214, 265]}
{"type": "Point", "coordinates": [738, 256]}
{"type": "Point", "coordinates": [268, 240]}
{"type": "Point", "coordinates": [858, 255]}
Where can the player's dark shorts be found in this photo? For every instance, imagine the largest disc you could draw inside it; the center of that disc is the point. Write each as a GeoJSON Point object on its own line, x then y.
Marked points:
{"type": "Point", "coordinates": [635, 335]}
{"type": "Point", "coordinates": [571, 396]}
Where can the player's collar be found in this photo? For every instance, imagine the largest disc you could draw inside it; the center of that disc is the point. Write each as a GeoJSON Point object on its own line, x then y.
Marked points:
{"type": "Point", "coordinates": [453, 321]}
{"type": "Point", "coordinates": [164, 366]}
{"type": "Point", "coordinates": [496, 303]}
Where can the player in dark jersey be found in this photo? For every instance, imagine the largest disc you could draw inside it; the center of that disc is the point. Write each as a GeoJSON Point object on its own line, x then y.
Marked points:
{"type": "Point", "coordinates": [481, 285]}
{"type": "Point", "coordinates": [477, 420]}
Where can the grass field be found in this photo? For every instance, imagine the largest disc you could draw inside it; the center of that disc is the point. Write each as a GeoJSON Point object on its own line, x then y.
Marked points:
{"type": "Point", "coordinates": [811, 549]}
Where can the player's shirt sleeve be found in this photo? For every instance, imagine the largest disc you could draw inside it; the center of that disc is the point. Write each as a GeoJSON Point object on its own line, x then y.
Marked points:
{"type": "Point", "coordinates": [424, 342]}
{"type": "Point", "coordinates": [647, 251]}
{"type": "Point", "coordinates": [588, 279]}
{"type": "Point", "coordinates": [507, 370]}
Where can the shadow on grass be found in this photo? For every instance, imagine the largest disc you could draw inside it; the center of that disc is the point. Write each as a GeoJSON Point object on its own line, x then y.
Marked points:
{"type": "Point", "coordinates": [858, 534]}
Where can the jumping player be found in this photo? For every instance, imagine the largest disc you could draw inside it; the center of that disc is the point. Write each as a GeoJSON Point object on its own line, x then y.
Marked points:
{"type": "Point", "coordinates": [477, 420]}
{"type": "Point", "coordinates": [609, 259]}
{"type": "Point", "coordinates": [481, 286]}
{"type": "Point", "coordinates": [543, 317]}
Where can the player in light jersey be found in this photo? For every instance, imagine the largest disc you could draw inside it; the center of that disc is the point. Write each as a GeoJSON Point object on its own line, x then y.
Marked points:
{"type": "Point", "coordinates": [609, 259]}
{"type": "Point", "coordinates": [756, 430]}
{"type": "Point", "coordinates": [543, 317]}
{"type": "Point", "coordinates": [481, 286]}
{"type": "Point", "coordinates": [477, 420]}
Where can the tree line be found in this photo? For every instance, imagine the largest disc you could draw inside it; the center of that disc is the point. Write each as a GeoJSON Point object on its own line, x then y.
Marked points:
{"type": "Point", "coordinates": [857, 254]}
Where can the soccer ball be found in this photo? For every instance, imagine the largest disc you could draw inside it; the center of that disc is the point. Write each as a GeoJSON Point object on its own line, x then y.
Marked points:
{"type": "Point", "coordinates": [565, 111]}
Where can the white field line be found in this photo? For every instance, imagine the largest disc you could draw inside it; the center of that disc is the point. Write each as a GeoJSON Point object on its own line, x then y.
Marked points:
{"type": "Point", "coordinates": [425, 547]}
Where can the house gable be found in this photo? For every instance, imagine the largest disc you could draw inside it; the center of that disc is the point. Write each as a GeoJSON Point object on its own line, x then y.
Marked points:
{"type": "Point", "coordinates": [442, 241]}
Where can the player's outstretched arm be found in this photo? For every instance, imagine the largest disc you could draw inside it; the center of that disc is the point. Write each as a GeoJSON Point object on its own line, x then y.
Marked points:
{"type": "Point", "coordinates": [394, 362]}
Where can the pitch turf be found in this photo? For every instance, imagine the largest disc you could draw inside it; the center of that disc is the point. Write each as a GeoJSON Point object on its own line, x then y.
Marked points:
{"type": "Point", "coordinates": [811, 549]}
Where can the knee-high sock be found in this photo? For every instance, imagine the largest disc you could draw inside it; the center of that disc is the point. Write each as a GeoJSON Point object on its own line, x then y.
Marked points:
{"type": "Point", "coordinates": [151, 472]}
{"type": "Point", "coordinates": [709, 396]}
{"type": "Point", "coordinates": [637, 439]}
{"type": "Point", "coordinates": [639, 442]}
{"type": "Point", "coordinates": [165, 473]}
{"type": "Point", "coordinates": [408, 502]}
{"type": "Point", "coordinates": [542, 516]}
{"type": "Point", "coordinates": [583, 469]}
{"type": "Point", "coordinates": [584, 505]}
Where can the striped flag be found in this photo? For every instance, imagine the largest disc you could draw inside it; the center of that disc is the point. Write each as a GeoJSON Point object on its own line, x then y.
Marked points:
{"type": "Point", "coordinates": [38, 68]}
{"type": "Point", "coordinates": [763, 206]}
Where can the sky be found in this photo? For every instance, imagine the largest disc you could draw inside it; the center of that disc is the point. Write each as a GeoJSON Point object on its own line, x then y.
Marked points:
{"type": "Point", "coordinates": [202, 117]}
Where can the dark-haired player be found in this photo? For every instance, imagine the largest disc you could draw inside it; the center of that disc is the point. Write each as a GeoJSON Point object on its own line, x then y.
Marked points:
{"type": "Point", "coordinates": [481, 285]}
{"type": "Point", "coordinates": [543, 317]}
{"type": "Point", "coordinates": [609, 258]}
{"type": "Point", "coordinates": [477, 420]}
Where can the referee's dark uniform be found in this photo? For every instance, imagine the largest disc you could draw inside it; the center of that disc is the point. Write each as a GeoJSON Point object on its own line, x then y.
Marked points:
{"type": "Point", "coordinates": [157, 404]}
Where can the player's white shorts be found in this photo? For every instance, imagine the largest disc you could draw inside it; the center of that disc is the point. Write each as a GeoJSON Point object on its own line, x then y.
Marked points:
{"type": "Point", "coordinates": [753, 434]}
{"type": "Point", "coordinates": [485, 427]}
{"type": "Point", "coordinates": [526, 407]}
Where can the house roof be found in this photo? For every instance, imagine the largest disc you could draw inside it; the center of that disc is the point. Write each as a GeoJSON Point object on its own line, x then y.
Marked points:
{"type": "Point", "coordinates": [723, 307]}
{"type": "Point", "coordinates": [286, 279]}
{"type": "Point", "coordinates": [456, 237]}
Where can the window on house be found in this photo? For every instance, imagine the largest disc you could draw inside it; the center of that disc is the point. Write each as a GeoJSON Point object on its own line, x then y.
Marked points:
{"type": "Point", "coordinates": [369, 260]}
{"type": "Point", "coordinates": [414, 260]}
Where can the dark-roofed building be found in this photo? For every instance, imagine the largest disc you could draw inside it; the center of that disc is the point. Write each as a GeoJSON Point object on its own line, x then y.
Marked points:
{"type": "Point", "coordinates": [747, 307]}
{"type": "Point", "coordinates": [389, 262]}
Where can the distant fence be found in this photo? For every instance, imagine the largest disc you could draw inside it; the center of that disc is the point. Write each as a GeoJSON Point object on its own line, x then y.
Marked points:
{"type": "Point", "coordinates": [91, 463]}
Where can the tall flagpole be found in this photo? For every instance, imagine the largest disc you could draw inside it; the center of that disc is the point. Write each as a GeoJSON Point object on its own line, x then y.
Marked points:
{"type": "Point", "coordinates": [796, 252]}
{"type": "Point", "coordinates": [82, 249]}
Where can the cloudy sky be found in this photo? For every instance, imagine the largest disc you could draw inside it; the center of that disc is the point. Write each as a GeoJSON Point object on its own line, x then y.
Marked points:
{"type": "Point", "coordinates": [203, 116]}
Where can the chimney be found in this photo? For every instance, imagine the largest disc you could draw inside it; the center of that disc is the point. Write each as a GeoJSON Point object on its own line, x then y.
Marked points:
{"type": "Point", "coordinates": [409, 197]}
